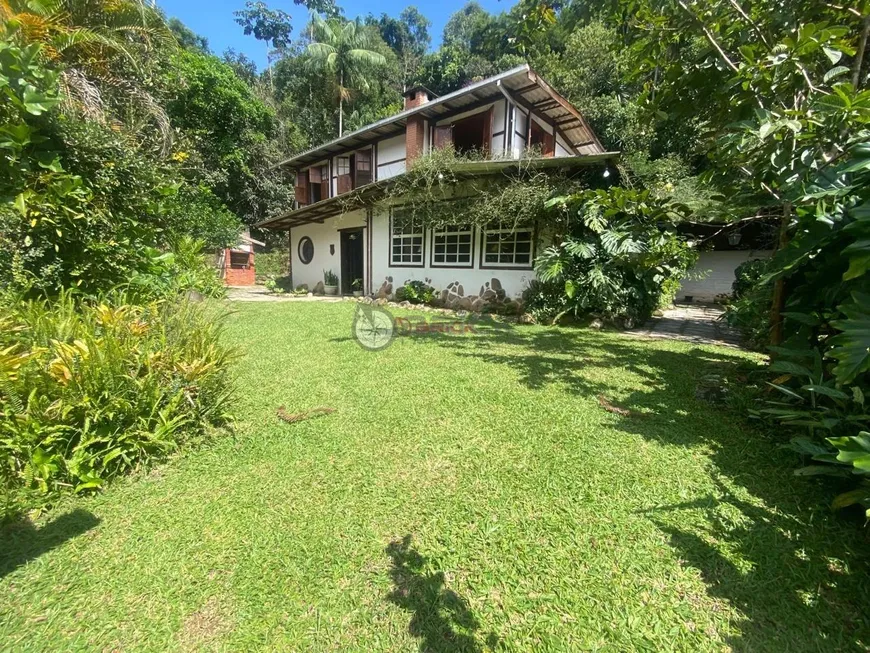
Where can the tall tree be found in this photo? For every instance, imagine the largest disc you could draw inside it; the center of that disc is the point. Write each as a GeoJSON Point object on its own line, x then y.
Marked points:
{"type": "Point", "coordinates": [186, 37]}
{"type": "Point", "coordinates": [341, 51]}
{"type": "Point", "coordinates": [272, 26]}
{"type": "Point", "coordinates": [407, 36]}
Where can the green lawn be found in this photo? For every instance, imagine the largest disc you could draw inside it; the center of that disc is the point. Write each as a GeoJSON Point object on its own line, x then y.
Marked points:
{"type": "Point", "coordinates": [469, 493]}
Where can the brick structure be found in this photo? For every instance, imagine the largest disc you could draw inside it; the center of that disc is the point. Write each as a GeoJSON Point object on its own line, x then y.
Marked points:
{"type": "Point", "coordinates": [415, 97]}
{"type": "Point", "coordinates": [414, 131]}
{"type": "Point", "coordinates": [238, 268]}
{"type": "Point", "coordinates": [413, 139]}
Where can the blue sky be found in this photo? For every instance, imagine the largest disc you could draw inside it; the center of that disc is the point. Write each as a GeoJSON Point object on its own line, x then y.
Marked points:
{"type": "Point", "coordinates": [214, 18]}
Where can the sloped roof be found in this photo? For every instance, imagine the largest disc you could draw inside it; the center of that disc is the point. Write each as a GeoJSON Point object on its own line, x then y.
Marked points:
{"type": "Point", "coordinates": [525, 87]}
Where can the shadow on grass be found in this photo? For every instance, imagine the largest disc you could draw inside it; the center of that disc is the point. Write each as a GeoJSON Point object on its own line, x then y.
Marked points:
{"type": "Point", "coordinates": [765, 540]}
{"type": "Point", "coordinates": [440, 617]}
{"type": "Point", "coordinates": [23, 542]}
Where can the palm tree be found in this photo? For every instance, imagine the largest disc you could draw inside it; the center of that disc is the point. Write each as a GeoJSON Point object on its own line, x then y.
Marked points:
{"type": "Point", "coordinates": [90, 40]}
{"type": "Point", "coordinates": [340, 49]}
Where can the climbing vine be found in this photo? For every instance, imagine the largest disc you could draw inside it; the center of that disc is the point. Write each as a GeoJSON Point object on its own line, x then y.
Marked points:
{"type": "Point", "coordinates": [444, 187]}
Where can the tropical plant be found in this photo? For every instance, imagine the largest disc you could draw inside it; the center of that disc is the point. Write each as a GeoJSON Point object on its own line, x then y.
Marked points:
{"type": "Point", "coordinates": [416, 292]}
{"type": "Point", "coordinates": [341, 51]}
{"type": "Point", "coordinates": [188, 267]}
{"type": "Point", "coordinates": [90, 390]}
{"type": "Point", "coordinates": [330, 278]}
{"type": "Point", "coordinates": [749, 307]}
{"type": "Point", "coordinates": [620, 253]}
{"type": "Point", "coordinates": [100, 47]}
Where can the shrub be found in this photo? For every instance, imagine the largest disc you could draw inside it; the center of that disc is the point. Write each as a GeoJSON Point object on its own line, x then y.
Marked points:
{"type": "Point", "coordinates": [92, 389]}
{"type": "Point", "coordinates": [749, 312]}
{"type": "Point", "coordinates": [416, 292]}
{"type": "Point", "coordinates": [186, 267]}
{"type": "Point", "coordinates": [544, 300]}
{"type": "Point", "coordinates": [747, 275]}
{"type": "Point", "coordinates": [272, 264]}
{"type": "Point", "coordinates": [618, 259]}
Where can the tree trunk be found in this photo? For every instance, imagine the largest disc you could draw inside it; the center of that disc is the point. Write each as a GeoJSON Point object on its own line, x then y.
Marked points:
{"type": "Point", "coordinates": [341, 104]}
{"type": "Point", "coordinates": [859, 53]}
{"type": "Point", "coordinates": [778, 302]}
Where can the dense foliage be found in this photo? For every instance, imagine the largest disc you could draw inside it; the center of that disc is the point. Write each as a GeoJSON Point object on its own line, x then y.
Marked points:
{"type": "Point", "coordinates": [104, 229]}
{"type": "Point", "coordinates": [782, 89]}
{"type": "Point", "coordinates": [89, 390]}
{"type": "Point", "coordinates": [618, 260]}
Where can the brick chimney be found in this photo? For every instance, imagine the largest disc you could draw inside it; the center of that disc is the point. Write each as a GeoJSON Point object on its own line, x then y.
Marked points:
{"type": "Point", "coordinates": [415, 129]}
{"type": "Point", "coordinates": [414, 132]}
{"type": "Point", "coordinates": [415, 97]}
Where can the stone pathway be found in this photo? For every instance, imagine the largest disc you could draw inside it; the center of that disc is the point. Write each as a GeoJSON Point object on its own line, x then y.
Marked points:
{"type": "Point", "coordinates": [699, 323]}
{"type": "Point", "coordinates": [260, 294]}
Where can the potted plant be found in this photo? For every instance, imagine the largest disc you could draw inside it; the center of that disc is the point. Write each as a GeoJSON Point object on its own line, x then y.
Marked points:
{"type": "Point", "coordinates": [356, 286]}
{"type": "Point", "coordinates": [330, 283]}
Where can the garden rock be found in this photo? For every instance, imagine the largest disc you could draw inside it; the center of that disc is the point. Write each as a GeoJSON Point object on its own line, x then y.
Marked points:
{"type": "Point", "coordinates": [386, 289]}
{"type": "Point", "coordinates": [318, 288]}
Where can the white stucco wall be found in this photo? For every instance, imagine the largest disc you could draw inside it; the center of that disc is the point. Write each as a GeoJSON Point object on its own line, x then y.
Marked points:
{"type": "Point", "coordinates": [322, 236]}
{"type": "Point", "coordinates": [717, 268]}
{"type": "Point", "coordinates": [562, 148]}
{"type": "Point", "coordinates": [391, 157]}
{"type": "Point", "coordinates": [499, 125]}
{"type": "Point", "coordinates": [518, 132]}
{"type": "Point", "coordinates": [513, 281]}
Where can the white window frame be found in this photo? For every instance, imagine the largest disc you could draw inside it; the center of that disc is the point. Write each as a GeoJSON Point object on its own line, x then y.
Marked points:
{"type": "Point", "coordinates": [406, 241]}
{"type": "Point", "coordinates": [456, 232]}
{"type": "Point", "coordinates": [511, 235]}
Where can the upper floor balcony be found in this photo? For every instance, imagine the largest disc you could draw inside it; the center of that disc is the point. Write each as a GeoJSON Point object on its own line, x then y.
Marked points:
{"type": "Point", "coordinates": [503, 117]}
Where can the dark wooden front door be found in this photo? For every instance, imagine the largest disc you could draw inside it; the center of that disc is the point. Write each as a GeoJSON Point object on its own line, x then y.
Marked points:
{"type": "Point", "coordinates": [351, 259]}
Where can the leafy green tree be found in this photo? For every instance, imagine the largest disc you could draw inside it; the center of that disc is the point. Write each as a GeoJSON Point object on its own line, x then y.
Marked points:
{"type": "Point", "coordinates": [272, 26]}
{"type": "Point", "coordinates": [407, 36]}
{"type": "Point", "coordinates": [228, 132]}
{"type": "Point", "coordinates": [341, 51]}
{"type": "Point", "coordinates": [244, 67]}
{"type": "Point", "coordinates": [187, 38]}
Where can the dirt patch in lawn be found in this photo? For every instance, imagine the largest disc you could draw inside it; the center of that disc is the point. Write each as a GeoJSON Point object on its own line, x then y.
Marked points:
{"type": "Point", "coordinates": [206, 626]}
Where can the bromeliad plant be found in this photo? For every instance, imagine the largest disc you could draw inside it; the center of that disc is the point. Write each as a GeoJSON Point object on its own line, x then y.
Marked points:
{"type": "Point", "coordinates": [92, 389]}
{"type": "Point", "coordinates": [621, 255]}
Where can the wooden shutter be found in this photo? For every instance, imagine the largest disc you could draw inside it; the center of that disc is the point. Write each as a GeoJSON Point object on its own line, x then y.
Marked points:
{"type": "Point", "coordinates": [345, 184]}
{"type": "Point", "coordinates": [324, 185]}
{"type": "Point", "coordinates": [549, 144]}
{"type": "Point", "coordinates": [302, 187]}
{"type": "Point", "coordinates": [314, 175]}
{"type": "Point", "coordinates": [363, 163]}
{"type": "Point", "coordinates": [443, 137]}
{"type": "Point", "coordinates": [487, 131]}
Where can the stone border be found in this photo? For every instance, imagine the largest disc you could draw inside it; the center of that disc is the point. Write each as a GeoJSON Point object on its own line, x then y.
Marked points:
{"type": "Point", "coordinates": [524, 318]}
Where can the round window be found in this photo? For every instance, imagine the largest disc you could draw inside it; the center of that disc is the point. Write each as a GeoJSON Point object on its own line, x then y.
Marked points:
{"type": "Point", "coordinates": [306, 250]}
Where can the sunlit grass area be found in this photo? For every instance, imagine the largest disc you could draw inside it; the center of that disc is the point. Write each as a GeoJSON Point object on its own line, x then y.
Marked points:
{"type": "Point", "coordinates": [469, 493]}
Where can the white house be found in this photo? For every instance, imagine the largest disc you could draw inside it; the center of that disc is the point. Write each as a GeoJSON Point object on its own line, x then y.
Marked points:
{"type": "Point", "coordinates": [503, 116]}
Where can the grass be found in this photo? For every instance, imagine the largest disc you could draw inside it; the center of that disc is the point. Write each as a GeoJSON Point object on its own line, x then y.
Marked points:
{"type": "Point", "coordinates": [468, 494]}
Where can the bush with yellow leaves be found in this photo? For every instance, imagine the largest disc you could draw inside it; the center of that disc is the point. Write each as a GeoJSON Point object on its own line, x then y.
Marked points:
{"type": "Point", "coordinates": [90, 389]}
